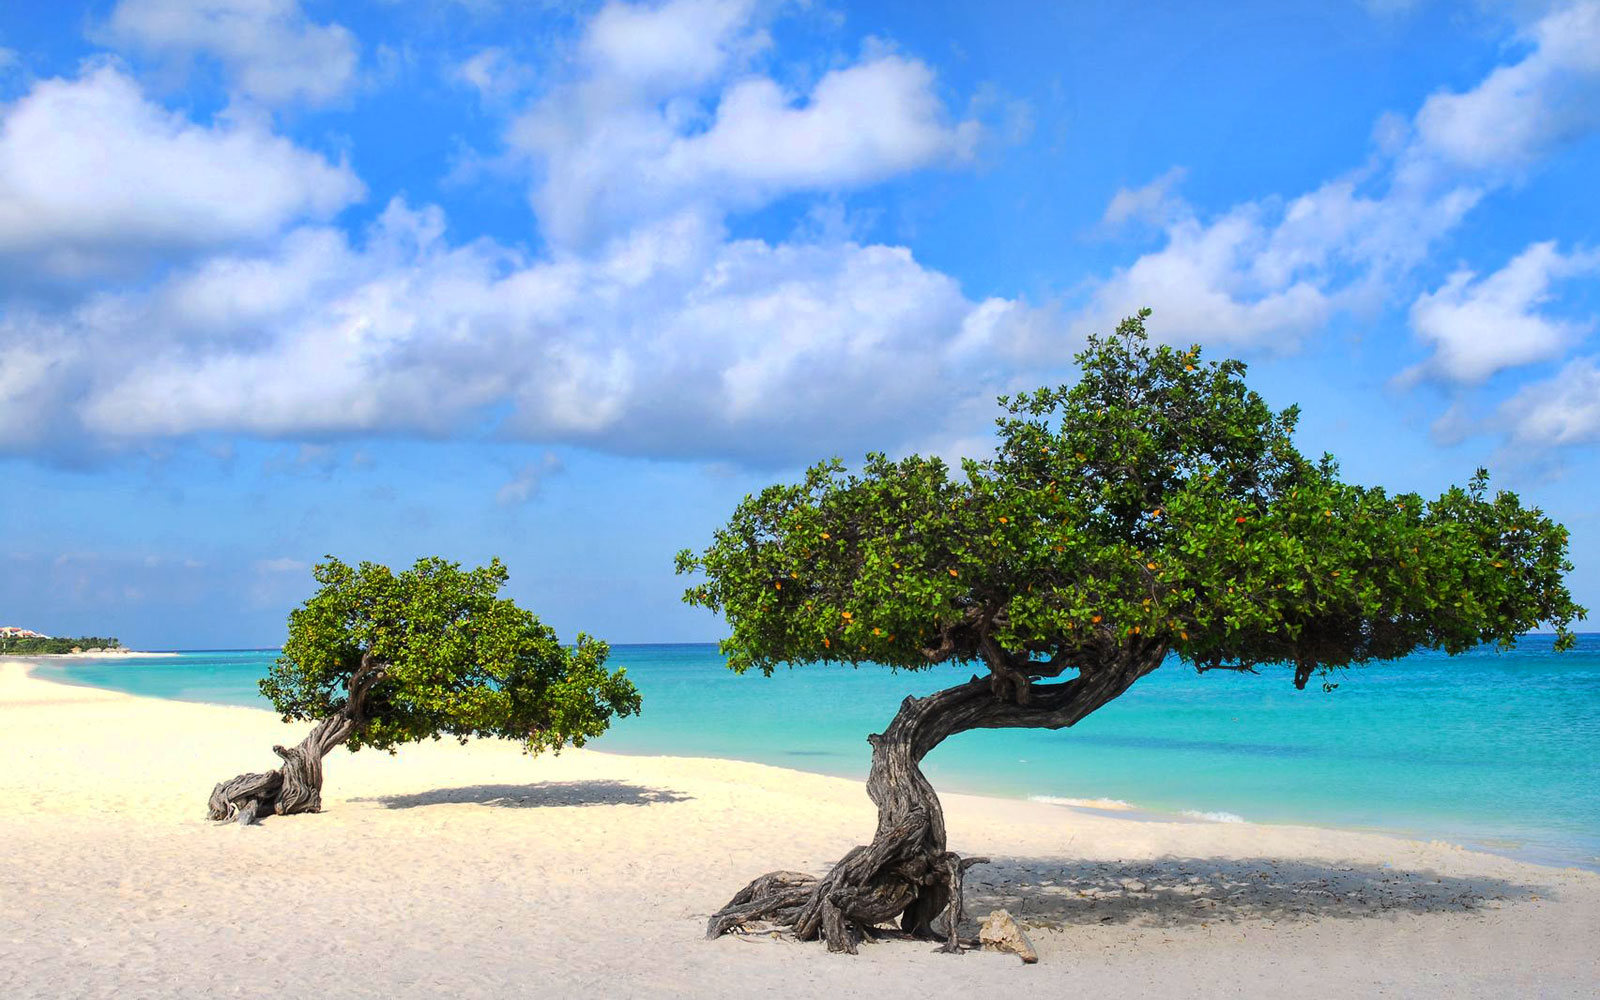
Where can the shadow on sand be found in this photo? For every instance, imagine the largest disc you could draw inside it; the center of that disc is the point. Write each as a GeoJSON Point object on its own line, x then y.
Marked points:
{"type": "Point", "coordinates": [1171, 892]}
{"type": "Point", "coordinates": [537, 795]}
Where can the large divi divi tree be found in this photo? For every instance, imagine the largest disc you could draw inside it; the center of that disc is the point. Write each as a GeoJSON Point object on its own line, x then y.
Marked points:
{"type": "Point", "coordinates": [1156, 507]}
{"type": "Point", "coordinates": [377, 659]}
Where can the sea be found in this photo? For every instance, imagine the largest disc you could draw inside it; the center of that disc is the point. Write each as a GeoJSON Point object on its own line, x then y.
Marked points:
{"type": "Point", "coordinates": [1493, 750]}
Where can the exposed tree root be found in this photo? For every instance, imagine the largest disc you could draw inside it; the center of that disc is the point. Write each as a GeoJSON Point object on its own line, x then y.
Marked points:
{"type": "Point", "coordinates": [906, 874]}
{"type": "Point", "coordinates": [852, 902]}
{"type": "Point", "coordinates": [296, 787]}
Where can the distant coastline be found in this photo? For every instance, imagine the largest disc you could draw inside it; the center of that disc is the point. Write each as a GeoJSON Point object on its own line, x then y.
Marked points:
{"type": "Point", "coordinates": [86, 654]}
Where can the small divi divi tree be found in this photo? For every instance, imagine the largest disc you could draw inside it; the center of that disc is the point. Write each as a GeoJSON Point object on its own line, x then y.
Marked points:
{"type": "Point", "coordinates": [377, 658]}
{"type": "Point", "coordinates": [1156, 507]}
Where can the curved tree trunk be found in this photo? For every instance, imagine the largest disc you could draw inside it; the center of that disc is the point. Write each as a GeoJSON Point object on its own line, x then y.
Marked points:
{"type": "Point", "coordinates": [296, 787]}
{"type": "Point", "coordinates": [907, 873]}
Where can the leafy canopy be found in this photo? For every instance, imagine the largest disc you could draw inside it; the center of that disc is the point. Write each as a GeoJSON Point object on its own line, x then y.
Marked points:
{"type": "Point", "coordinates": [457, 659]}
{"type": "Point", "coordinates": [1157, 502]}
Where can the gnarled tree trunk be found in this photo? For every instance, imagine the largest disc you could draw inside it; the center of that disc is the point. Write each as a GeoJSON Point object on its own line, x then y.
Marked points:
{"type": "Point", "coordinates": [297, 786]}
{"type": "Point", "coordinates": [907, 873]}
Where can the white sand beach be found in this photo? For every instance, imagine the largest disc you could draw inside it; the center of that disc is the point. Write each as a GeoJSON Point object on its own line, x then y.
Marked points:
{"type": "Point", "coordinates": [451, 871]}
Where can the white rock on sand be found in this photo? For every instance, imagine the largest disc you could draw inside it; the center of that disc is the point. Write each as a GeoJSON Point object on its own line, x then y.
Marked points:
{"type": "Point", "coordinates": [475, 871]}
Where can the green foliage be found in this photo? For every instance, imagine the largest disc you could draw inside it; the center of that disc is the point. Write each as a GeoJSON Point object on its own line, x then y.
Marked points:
{"type": "Point", "coordinates": [1157, 499]}
{"type": "Point", "coordinates": [31, 646]}
{"type": "Point", "coordinates": [459, 660]}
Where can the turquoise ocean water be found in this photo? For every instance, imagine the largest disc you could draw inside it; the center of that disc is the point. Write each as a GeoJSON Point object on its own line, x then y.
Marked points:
{"type": "Point", "coordinates": [1494, 750]}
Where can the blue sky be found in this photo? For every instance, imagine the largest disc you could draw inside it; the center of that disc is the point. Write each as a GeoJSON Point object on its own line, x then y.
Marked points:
{"type": "Point", "coordinates": [561, 282]}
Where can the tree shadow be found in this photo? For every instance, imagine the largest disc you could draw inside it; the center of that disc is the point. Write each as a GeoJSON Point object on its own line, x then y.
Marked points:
{"type": "Point", "coordinates": [538, 795]}
{"type": "Point", "coordinates": [1170, 892]}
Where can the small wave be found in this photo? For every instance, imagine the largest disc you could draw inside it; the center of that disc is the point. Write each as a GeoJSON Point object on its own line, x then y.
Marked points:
{"type": "Point", "coordinates": [1116, 805]}
{"type": "Point", "coordinates": [1213, 817]}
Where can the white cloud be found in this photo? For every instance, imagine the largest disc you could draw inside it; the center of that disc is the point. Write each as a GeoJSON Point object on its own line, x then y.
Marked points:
{"type": "Point", "coordinates": [528, 480]}
{"type": "Point", "coordinates": [645, 330]}
{"type": "Point", "coordinates": [90, 171]}
{"type": "Point", "coordinates": [1156, 203]}
{"type": "Point", "coordinates": [1268, 273]}
{"type": "Point", "coordinates": [858, 125]}
{"type": "Point", "coordinates": [494, 73]}
{"type": "Point", "coordinates": [664, 116]}
{"type": "Point", "coordinates": [1480, 326]}
{"type": "Point", "coordinates": [1564, 410]}
{"type": "Point", "coordinates": [31, 387]}
{"type": "Point", "coordinates": [672, 341]}
{"type": "Point", "coordinates": [1206, 286]}
{"type": "Point", "coordinates": [268, 49]}
{"type": "Point", "coordinates": [669, 46]}
{"type": "Point", "coordinates": [1271, 271]}
{"type": "Point", "coordinates": [1523, 110]}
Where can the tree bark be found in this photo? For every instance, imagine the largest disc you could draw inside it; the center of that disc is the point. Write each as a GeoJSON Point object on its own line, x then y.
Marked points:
{"type": "Point", "coordinates": [907, 873]}
{"type": "Point", "coordinates": [296, 786]}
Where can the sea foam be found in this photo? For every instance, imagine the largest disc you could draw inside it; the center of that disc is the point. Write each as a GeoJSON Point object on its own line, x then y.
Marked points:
{"type": "Point", "coordinates": [1116, 805]}
{"type": "Point", "coordinates": [1213, 817]}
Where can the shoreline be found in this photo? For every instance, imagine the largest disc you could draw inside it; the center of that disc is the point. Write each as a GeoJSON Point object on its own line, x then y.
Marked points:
{"type": "Point", "coordinates": [1522, 850]}
{"type": "Point", "coordinates": [97, 654]}
{"type": "Point", "coordinates": [1501, 846]}
{"type": "Point", "coordinates": [1114, 810]}
{"type": "Point", "coordinates": [465, 870]}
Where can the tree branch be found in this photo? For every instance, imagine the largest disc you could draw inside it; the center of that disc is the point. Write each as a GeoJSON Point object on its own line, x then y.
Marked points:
{"type": "Point", "coordinates": [1238, 668]}
{"type": "Point", "coordinates": [976, 705]}
{"type": "Point", "coordinates": [1007, 682]}
{"type": "Point", "coordinates": [367, 676]}
{"type": "Point", "coordinates": [1059, 661]}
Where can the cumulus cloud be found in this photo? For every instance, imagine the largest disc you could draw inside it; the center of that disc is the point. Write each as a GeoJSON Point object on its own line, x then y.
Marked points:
{"type": "Point", "coordinates": [649, 48]}
{"type": "Point", "coordinates": [1156, 203]}
{"type": "Point", "coordinates": [268, 50]}
{"type": "Point", "coordinates": [859, 124]}
{"type": "Point", "coordinates": [659, 121]}
{"type": "Point", "coordinates": [31, 380]}
{"type": "Point", "coordinates": [1523, 110]}
{"type": "Point", "coordinates": [1563, 410]}
{"type": "Point", "coordinates": [1478, 326]}
{"type": "Point", "coordinates": [673, 341]}
{"type": "Point", "coordinates": [644, 329]}
{"type": "Point", "coordinates": [91, 171]}
{"type": "Point", "coordinates": [1272, 270]}
{"type": "Point", "coordinates": [1267, 273]}
{"type": "Point", "coordinates": [1207, 283]}
{"type": "Point", "coordinates": [493, 72]}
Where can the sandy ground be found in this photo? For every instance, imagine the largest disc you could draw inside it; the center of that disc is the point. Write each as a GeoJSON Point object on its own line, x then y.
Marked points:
{"type": "Point", "coordinates": [451, 871]}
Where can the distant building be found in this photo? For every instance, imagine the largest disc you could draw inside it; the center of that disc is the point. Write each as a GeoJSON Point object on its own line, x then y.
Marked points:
{"type": "Point", "coordinates": [13, 632]}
